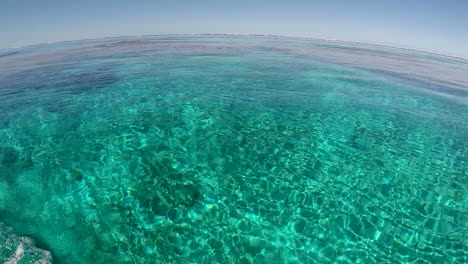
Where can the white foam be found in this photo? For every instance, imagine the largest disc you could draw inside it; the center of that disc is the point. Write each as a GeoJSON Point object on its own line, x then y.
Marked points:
{"type": "Point", "coordinates": [17, 256]}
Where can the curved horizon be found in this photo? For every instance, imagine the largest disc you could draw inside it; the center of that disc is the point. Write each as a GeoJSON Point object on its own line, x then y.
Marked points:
{"type": "Point", "coordinates": [387, 45]}
{"type": "Point", "coordinates": [432, 26]}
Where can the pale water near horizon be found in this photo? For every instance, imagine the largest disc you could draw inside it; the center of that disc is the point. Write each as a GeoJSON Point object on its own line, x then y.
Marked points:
{"type": "Point", "coordinates": [223, 149]}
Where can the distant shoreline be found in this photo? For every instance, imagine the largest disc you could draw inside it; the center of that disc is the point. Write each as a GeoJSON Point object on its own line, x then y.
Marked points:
{"type": "Point", "coordinates": [249, 35]}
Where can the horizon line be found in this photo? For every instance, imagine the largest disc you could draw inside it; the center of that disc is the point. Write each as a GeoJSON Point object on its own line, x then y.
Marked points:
{"type": "Point", "coordinates": [362, 43]}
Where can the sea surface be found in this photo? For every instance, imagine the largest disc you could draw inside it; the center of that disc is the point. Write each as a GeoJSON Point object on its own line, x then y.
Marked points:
{"type": "Point", "coordinates": [232, 149]}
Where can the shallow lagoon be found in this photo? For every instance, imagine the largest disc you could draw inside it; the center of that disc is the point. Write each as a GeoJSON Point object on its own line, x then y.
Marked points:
{"type": "Point", "coordinates": [232, 149]}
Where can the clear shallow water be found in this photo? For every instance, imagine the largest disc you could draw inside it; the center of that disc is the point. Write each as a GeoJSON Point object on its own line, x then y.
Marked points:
{"type": "Point", "coordinates": [196, 149]}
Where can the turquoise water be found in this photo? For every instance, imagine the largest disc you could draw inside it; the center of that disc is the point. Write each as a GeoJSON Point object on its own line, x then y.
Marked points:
{"type": "Point", "coordinates": [222, 149]}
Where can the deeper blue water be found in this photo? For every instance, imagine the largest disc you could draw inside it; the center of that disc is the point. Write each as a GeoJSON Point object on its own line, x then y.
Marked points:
{"type": "Point", "coordinates": [232, 149]}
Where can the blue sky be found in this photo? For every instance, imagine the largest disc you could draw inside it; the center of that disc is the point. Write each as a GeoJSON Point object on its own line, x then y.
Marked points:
{"type": "Point", "coordinates": [438, 26]}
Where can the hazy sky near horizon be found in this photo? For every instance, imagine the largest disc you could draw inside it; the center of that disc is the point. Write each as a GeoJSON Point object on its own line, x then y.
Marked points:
{"type": "Point", "coordinates": [432, 25]}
